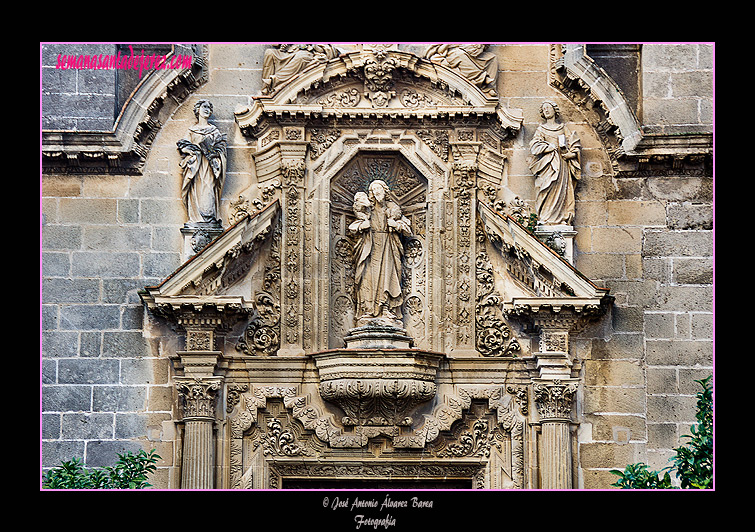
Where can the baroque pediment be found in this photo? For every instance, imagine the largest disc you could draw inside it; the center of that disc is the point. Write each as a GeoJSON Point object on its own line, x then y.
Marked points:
{"type": "Point", "coordinates": [377, 83]}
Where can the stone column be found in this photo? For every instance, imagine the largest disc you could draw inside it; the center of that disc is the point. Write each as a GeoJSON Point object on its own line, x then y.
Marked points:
{"type": "Point", "coordinates": [554, 401]}
{"type": "Point", "coordinates": [198, 396]}
{"type": "Point", "coordinates": [197, 390]}
{"type": "Point", "coordinates": [554, 393]}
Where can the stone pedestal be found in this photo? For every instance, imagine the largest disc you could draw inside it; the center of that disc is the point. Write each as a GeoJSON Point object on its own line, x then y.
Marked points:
{"type": "Point", "coordinates": [560, 238]}
{"type": "Point", "coordinates": [378, 335]}
{"type": "Point", "coordinates": [197, 235]}
{"type": "Point", "coordinates": [376, 387]}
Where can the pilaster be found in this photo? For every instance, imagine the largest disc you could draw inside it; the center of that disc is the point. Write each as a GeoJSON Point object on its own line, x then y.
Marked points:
{"type": "Point", "coordinates": [460, 246]}
{"type": "Point", "coordinates": [292, 253]}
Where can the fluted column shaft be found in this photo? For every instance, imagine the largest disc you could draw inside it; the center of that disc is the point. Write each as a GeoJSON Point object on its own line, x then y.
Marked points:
{"type": "Point", "coordinates": [554, 403]}
{"type": "Point", "coordinates": [198, 462]}
{"type": "Point", "coordinates": [198, 455]}
{"type": "Point", "coordinates": [556, 453]}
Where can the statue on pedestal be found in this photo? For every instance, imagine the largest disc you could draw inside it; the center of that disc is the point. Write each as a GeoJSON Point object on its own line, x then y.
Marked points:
{"type": "Point", "coordinates": [203, 173]}
{"type": "Point", "coordinates": [556, 165]}
{"type": "Point", "coordinates": [203, 167]}
{"type": "Point", "coordinates": [378, 255]}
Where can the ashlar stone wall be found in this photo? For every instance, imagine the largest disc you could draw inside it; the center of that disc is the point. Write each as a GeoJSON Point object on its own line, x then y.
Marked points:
{"type": "Point", "coordinates": [648, 237]}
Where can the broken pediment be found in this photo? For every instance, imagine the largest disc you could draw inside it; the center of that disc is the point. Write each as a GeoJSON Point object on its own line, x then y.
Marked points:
{"type": "Point", "coordinates": [220, 275]}
{"type": "Point", "coordinates": [534, 277]}
{"type": "Point", "coordinates": [377, 84]}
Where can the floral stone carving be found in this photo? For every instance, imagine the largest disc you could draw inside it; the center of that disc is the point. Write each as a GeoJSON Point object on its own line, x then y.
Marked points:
{"type": "Point", "coordinates": [377, 387]}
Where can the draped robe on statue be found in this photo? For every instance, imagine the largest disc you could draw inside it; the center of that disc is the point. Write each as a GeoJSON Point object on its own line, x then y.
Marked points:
{"type": "Point", "coordinates": [378, 255]}
{"type": "Point", "coordinates": [203, 172]}
{"type": "Point", "coordinates": [555, 174]}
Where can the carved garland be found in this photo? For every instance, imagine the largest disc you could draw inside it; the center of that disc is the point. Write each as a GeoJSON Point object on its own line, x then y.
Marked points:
{"type": "Point", "coordinates": [262, 336]}
{"type": "Point", "coordinates": [494, 338]}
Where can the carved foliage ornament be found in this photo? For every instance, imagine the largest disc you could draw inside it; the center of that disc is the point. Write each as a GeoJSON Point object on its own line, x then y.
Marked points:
{"type": "Point", "coordinates": [280, 442]}
{"type": "Point", "coordinates": [554, 399]}
{"type": "Point", "coordinates": [476, 441]}
{"type": "Point", "coordinates": [377, 401]}
{"type": "Point", "coordinates": [262, 336]}
{"type": "Point", "coordinates": [493, 335]}
{"type": "Point", "coordinates": [198, 397]}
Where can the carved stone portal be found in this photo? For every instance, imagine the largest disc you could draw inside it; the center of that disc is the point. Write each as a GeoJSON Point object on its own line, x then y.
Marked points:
{"type": "Point", "coordinates": [375, 312]}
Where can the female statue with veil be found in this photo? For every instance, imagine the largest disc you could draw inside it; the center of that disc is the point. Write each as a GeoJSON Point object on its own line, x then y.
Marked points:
{"type": "Point", "coordinates": [378, 255]}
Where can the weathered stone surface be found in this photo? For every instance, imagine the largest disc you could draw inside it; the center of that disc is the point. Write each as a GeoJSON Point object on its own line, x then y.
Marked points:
{"type": "Point", "coordinates": [456, 126]}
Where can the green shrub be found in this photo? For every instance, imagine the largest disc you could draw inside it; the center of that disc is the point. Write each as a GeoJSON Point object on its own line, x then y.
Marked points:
{"type": "Point", "coordinates": [692, 463]}
{"type": "Point", "coordinates": [130, 472]}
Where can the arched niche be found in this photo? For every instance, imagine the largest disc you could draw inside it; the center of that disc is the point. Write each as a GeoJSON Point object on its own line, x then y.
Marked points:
{"type": "Point", "coordinates": [408, 188]}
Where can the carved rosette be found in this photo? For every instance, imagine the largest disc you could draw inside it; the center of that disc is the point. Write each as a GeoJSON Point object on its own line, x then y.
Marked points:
{"type": "Point", "coordinates": [198, 396]}
{"type": "Point", "coordinates": [554, 399]}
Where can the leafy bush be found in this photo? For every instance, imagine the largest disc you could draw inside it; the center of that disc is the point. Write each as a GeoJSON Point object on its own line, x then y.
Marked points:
{"type": "Point", "coordinates": [693, 463]}
{"type": "Point", "coordinates": [130, 472]}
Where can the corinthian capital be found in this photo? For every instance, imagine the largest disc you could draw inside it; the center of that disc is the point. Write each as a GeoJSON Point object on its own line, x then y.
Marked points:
{"type": "Point", "coordinates": [198, 396]}
{"type": "Point", "coordinates": [554, 399]}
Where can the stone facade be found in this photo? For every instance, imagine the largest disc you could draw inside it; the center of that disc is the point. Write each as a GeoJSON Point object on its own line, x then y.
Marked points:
{"type": "Point", "coordinates": [515, 359]}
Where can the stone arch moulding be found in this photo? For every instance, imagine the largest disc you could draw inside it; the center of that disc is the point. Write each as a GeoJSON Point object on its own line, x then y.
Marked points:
{"type": "Point", "coordinates": [125, 149]}
{"type": "Point", "coordinates": [632, 152]}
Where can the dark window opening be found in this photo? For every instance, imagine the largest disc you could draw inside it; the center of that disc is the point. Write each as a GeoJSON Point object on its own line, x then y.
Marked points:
{"type": "Point", "coordinates": [623, 63]}
{"type": "Point", "coordinates": [376, 483]}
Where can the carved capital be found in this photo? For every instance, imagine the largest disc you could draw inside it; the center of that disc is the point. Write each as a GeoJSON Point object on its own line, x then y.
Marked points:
{"type": "Point", "coordinates": [554, 399]}
{"type": "Point", "coordinates": [293, 172]}
{"type": "Point", "coordinates": [198, 396]}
